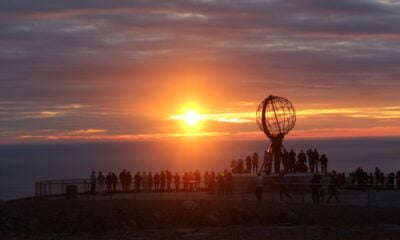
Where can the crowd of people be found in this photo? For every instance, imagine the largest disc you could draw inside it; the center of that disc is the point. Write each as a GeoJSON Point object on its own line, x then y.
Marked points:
{"type": "Point", "coordinates": [361, 179]}
{"type": "Point", "coordinates": [222, 184]}
{"type": "Point", "coordinates": [164, 181]}
{"type": "Point", "coordinates": [310, 161]}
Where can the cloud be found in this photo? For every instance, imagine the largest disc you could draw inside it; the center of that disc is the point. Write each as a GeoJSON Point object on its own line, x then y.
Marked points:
{"type": "Point", "coordinates": [110, 63]}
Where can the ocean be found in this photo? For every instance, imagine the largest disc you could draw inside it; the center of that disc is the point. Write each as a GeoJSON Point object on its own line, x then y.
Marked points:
{"type": "Point", "coordinates": [21, 165]}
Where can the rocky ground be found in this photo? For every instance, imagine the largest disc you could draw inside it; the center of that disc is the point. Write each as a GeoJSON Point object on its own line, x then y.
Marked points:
{"type": "Point", "coordinates": [207, 219]}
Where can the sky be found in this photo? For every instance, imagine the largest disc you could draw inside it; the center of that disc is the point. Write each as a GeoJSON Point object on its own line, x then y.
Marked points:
{"type": "Point", "coordinates": [129, 70]}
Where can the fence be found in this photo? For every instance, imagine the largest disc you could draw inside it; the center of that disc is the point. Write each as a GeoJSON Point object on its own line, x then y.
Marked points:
{"type": "Point", "coordinates": [360, 195]}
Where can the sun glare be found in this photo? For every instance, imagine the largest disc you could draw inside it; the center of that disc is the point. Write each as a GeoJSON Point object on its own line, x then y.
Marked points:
{"type": "Point", "coordinates": [191, 118]}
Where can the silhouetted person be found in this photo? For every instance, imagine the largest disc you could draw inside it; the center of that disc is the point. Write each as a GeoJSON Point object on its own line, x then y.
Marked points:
{"type": "Point", "coordinates": [114, 180]}
{"type": "Point", "coordinates": [206, 178]}
{"type": "Point", "coordinates": [390, 181]}
{"type": "Point", "coordinates": [259, 186]}
{"type": "Point", "coordinates": [301, 162]}
{"type": "Point", "coordinates": [398, 179]}
{"type": "Point", "coordinates": [138, 180]}
{"type": "Point", "coordinates": [143, 180]}
{"type": "Point", "coordinates": [292, 161]}
{"type": "Point", "coordinates": [234, 166]}
{"type": "Point", "coordinates": [93, 181]}
{"type": "Point", "coordinates": [156, 182]}
{"type": "Point", "coordinates": [267, 162]}
{"type": "Point", "coordinates": [310, 155]}
{"type": "Point", "coordinates": [283, 186]}
{"type": "Point", "coordinates": [221, 185]}
{"type": "Point", "coordinates": [316, 160]}
{"type": "Point", "coordinates": [333, 189]}
{"type": "Point", "coordinates": [169, 180]}
{"type": "Point", "coordinates": [162, 180]}
{"type": "Point", "coordinates": [315, 187]}
{"type": "Point", "coordinates": [177, 180]}
{"type": "Point", "coordinates": [324, 164]}
{"type": "Point", "coordinates": [150, 182]}
{"type": "Point", "coordinates": [228, 184]}
{"type": "Point", "coordinates": [254, 161]}
{"type": "Point", "coordinates": [197, 180]}
{"type": "Point", "coordinates": [248, 164]}
{"type": "Point", "coordinates": [100, 181]}
{"type": "Point", "coordinates": [240, 166]}
{"type": "Point", "coordinates": [212, 181]}
{"type": "Point", "coordinates": [109, 181]}
{"type": "Point", "coordinates": [185, 181]}
{"type": "Point", "coordinates": [128, 181]}
{"type": "Point", "coordinates": [122, 179]}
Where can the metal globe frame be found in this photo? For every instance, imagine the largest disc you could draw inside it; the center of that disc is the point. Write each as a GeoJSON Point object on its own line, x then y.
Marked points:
{"type": "Point", "coordinates": [275, 116]}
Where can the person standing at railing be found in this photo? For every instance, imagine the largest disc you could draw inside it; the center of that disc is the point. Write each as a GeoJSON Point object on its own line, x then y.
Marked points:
{"type": "Point", "coordinates": [191, 181]}
{"type": "Point", "coordinates": [254, 161]}
{"type": "Point", "coordinates": [390, 181]}
{"type": "Point", "coordinates": [228, 184]}
{"type": "Point", "coordinates": [156, 182]}
{"type": "Point", "coordinates": [114, 182]}
{"type": "Point", "coordinates": [197, 180]}
{"type": "Point", "coordinates": [324, 164]}
{"type": "Point", "coordinates": [212, 181]}
{"type": "Point", "coordinates": [122, 179]}
{"type": "Point", "coordinates": [100, 181]}
{"type": "Point", "coordinates": [138, 181]}
{"type": "Point", "coordinates": [240, 166]}
{"type": "Point", "coordinates": [206, 179]}
{"type": "Point", "coordinates": [109, 182]}
{"type": "Point", "coordinates": [162, 180]}
{"type": "Point", "coordinates": [185, 180]}
{"type": "Point", "coordinates": [177, 181]}
{"type": "Point", "coordinates": [169, 180]}
{"type": "Point", "coordinates": [93, 181]}
{"type": "Point", "coordinates": [248, 164]}
{"type": "Point", "coordinates": [234, 166]}
{"type": "Point", "coordinates": [398, 179]}
{"type": "Point", "coordinates": [310, 155]}
{"type": "Point", "coordinates": [143, 180]}
{"type": "Point", "coordinates": [150, 182]}
{"type": "Point", "coordinates": [333, 189]}
{"type": "Point", "coordinates": [316, 160]}
{"type": "Point", "coordinates": [128, 181]}
{"type": "Point", "coordinates": [221, 185]}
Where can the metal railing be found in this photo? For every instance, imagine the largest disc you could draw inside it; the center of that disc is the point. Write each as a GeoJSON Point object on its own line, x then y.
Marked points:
{"type": "Point", "coordinates": [301, 193]}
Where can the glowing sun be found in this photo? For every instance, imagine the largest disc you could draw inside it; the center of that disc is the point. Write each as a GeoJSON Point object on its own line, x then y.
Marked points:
{"type": "Point", "coordinates": [191, 118]}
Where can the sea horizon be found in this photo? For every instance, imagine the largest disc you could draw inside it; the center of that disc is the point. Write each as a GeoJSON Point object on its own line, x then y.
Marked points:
{"type": "Point", "coordinates": [21, 165]}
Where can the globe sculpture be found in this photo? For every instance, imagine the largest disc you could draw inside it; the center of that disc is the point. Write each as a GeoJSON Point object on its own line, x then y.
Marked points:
{"type": "Point", "coordinates": [275, 116]}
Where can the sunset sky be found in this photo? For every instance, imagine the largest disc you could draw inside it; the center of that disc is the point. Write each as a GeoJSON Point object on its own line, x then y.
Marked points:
{"type": "Point", "coordinates": [144, 70]}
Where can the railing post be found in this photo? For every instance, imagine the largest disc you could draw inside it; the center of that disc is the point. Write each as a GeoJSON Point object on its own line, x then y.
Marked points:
{"type": "Point", "coordinates": [49, 188]}
{"type": "Point", "coordinates": [62, 187]}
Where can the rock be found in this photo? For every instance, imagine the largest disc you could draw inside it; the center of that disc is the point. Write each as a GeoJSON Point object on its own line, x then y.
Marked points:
{"type": "Point", "coordinates": [190, 205]}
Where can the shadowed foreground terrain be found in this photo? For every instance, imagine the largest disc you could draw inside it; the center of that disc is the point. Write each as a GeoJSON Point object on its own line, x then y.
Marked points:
{"type": "Point", "coordinates": [127, 219]}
